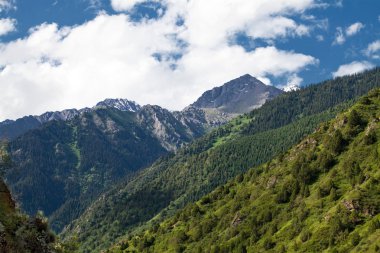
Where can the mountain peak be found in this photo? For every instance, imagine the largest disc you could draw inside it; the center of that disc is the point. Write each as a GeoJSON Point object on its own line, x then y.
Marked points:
{"type": "Point", "coordinates": [120, 104]}
{"type": "Point", "coordinates": [239, 95]}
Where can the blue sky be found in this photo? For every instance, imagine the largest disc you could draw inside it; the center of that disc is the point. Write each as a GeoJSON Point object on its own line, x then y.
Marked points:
{"type": "Point", "coordinates": [57, 54]}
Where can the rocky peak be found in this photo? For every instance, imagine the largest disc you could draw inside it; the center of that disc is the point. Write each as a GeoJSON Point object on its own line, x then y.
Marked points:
{"type": "Point", "coordinates": [120, 104]}
{"type": "Point", "coordinates": [240, 95]}
{"type": "Point", "coordinates": [62, 115]}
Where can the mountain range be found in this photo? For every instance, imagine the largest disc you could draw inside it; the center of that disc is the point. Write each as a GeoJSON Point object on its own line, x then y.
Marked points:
{"type": "Point", "coordinates": [172, 182]}
{"type": "Point", "coordinates": [73, 156]}
{"type": "Point", "coordinates": [244, 168]}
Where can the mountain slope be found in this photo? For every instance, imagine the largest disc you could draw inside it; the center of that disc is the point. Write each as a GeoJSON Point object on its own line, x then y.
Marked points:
{"type": "Point", "coordinates": [209, 162]}
{"type": "Point", "coordinates": [19, 233]}
{"type": "Point", "coordinates": [61, 167]}
{"type": "Point", "coordinates": [322, 195]}
{"type": "Point", "coordinates": [75, 155]}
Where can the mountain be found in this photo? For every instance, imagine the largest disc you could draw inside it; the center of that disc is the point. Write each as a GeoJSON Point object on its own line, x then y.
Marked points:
{"type": "Point", "coordinates": [323, 195]}
{"type": "Point", "coordinates": [243, 94]}
{"type": "Point", "coordinates": [210, 161]}
{"type": "Point", "coordinates": [62, 166]}
{"type": "Point", "coordinates": [65, 160]}
{"type": "Point", "coordinates": [11, 129]}
{"type": "Point", "coordinates": [238, 96]}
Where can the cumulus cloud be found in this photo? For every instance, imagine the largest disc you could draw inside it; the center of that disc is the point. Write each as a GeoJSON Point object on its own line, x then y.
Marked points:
{"type": "Point", "coordinates": [372, 49]}
{"type": "Point", "coordinates": [352, 68]}
{"type": "Point", "coordinates": [354, 29]}
{"type": "Point", "coordinates": [154, 61]}
{"type": "Point", "coordinates": [7, 25]}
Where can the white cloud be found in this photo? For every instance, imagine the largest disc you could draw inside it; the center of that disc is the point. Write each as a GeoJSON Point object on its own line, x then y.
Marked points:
{"type": "Point", "coordinates": [294, 82]}
{"type": "Point", "coordinates": [6, 5]}
{"type": "Point", "coordinates": [56, 68]}
{"type": "Point", "coordinates": [354, 29]}
{"type": "Point", "coordinates": [124, 5]}
{"type": "Point", "coordinates": [320, 38]}
{"type": "Point", "coordinates": [339, 37]}
{"type": "Point", "coordinates": [7, 25]}
{"type": "Point", "coordinates": [352, 68]}
{"type": "Point", "coordinates": [372, 49]}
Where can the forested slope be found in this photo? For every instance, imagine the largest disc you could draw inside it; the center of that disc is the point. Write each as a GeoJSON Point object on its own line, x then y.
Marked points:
{"type": "Point", "coordinates": [322, 195]}
{"type": "Point", "coordinates": [63, 166]}
{"type": "Point", "coordinates": [211, 161]}
{"type": "Point", "coordinates": [18, 232]}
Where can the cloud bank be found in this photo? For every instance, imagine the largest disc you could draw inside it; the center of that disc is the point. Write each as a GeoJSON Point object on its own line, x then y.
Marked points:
{"type": "Point", "coordinates": [161, 61]}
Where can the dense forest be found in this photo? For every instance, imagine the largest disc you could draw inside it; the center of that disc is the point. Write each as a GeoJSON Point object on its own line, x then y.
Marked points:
{"type": "Point", "coordinates": [323, 194]}
{"type": "Point", "coordinates": [247, 141]}
{"type": "Point", "coordinates": [19, 232]}
{"type": "Point", "coordinates": [62, 167]}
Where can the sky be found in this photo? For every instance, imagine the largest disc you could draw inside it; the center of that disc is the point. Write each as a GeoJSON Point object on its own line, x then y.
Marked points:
{"type": "Point", "coordinates": [60, 54]}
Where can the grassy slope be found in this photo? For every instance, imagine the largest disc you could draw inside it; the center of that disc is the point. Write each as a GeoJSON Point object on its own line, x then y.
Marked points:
{"type": "Point", "coordinates": [323, 195]}
{"type": "Point", "coordinates": [196, 170]}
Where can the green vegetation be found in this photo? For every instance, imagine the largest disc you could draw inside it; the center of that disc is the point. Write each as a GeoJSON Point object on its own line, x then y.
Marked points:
{"type": "Point", "coordinates": [323, 195]}
{"type": "Point", "coordinates": [176, 180]}
{"type": "Point", "coordinates": [64, 166]}
{"type": "Point", "coordinates": [18, 232]}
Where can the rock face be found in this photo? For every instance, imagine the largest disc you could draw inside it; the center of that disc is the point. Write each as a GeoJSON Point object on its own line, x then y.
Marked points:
{"type": "Point", "coordinates": [170, 131]}
{"type": "Point", "coordinates": [238, 96]}
{"type": "Point", "coordinates": [120, 104]}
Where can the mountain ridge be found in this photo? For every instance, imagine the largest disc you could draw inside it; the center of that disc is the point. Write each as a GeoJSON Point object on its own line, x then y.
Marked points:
{"type": "Point", "coordinates": [212, 116]}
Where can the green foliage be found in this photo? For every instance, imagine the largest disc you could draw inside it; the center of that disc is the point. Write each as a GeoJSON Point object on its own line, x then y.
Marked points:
{"type": "Point", "coordinates": [172, 182]}
{"type": "Point", "coordinates": [5, 159]}
{"type": "Point", "coordinates": [268, 210]}
{"type": "Point", "coordinates": [20, 233]}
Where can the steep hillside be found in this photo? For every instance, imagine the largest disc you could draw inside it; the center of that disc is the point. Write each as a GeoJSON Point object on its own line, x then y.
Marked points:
{"type": "Point", "coordinates": [322, 195]}
{"type": "Point", "coordinates": [61, 167]}
{"type": "Point", "coordinates": [210, 161]}
{"type": "Point", "coordinates": [19, 233]}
